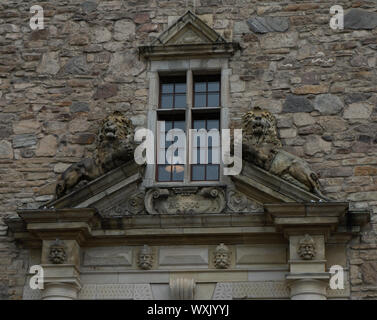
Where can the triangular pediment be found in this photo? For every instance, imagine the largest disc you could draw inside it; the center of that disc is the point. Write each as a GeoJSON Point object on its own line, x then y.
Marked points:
{"type": "Point", "coordinates": [120, 193]}
{"type": "Point", "coordinates": [188, 36]}
{"type": "Point", "coordinates": [189, 29]}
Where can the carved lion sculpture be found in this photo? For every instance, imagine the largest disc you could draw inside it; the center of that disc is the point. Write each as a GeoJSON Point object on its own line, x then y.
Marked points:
{"type": "Point", "coordinates": [262, 146]}
{"type": "Point", "coordinates": [115, 146]}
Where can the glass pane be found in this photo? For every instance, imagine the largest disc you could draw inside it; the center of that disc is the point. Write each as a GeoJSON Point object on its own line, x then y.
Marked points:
{"type": "Point", "coordinates": [199, 124]}
{"type": "Point", "coordinates": [178, 173]}
{"type": "Point", "coordinates": [213, 124]}
{"type": "Point", "coordinates": [213, 100]}
{"type": "Point", "coordinates": [200, 100]}
{"type": "Point", "coordinates": [180, 125]}
{"type": "Point", "coordinates": [166, 101]}
{"type": "Point", "coordinates": [180, 88]}
{"type": "Point", "coordinates": [167, 87]}
{"type": "Point", "coordinates": [212, 172]}
{"type": "Point", "coordinates": [168, 125]}
{"type": "Point", "coordinates": [164, 173]}
{"type": "Point", "coordinates": [213, 86]}
{"type": "Point", "coordinates": [180, 101]}
{"type": "Point", "coordinates": [198, 172]}
{"type": "Point", "coordinates": [213, 155]}
{"type": "Point", "coordinates": [200, 87]}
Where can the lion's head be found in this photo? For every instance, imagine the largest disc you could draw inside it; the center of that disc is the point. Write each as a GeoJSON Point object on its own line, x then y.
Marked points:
{"type": "Point", "coordinates": [115, 142]}
{"type": "Point", "coordinates": [115, 127]}
{"type": "Point", "coordinates": [260, 127]}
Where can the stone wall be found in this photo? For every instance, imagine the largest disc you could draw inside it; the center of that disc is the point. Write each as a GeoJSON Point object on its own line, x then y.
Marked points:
{"type": "Point", "coordinates": [57, 83]}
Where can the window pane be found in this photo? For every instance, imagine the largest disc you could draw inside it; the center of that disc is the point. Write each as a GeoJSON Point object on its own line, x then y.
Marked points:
{"type": "Point", "coordinates": [200, 87]}
{"type": "Point", "coordinates": [180, 125]}
{"type": "Point", "coordinates": [200, 100]}
{"type": "Point", "coordinates": [178, 173]}
{"type": "Point", "coordinates": [180, 87]}
{"type": "Point", "coordinates": [164, 173]}
{"type": "Point", "coordinates": [213, 155]}
{"type": "Point", "coordinates": [198, 172]}
{"type": "Point", "coordinates": [168, 125]}
{"type": "Point", "coordinates": [213, 100]}
{"type": "Point", "coordinates": [213, 124]}
{"type": "Point", "coordinates": [166, 101]}
{"type": "Point", "coordinates": [167, 87]}
{"type": "Point", "coordinates": [212, 172]}
{"type": "Point", "coordinates": [199, 124]}
{"type": "Point", "coordinates": [213, 86]}
{"type": "Point", "coordinates": [180, 101]}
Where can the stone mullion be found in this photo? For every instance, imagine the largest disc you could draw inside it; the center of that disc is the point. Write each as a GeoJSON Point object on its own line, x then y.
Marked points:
{"type": "Point", "coordinates": [189, 97]}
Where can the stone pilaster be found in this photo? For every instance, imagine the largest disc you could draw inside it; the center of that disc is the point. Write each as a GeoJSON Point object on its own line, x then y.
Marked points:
{"type": "Point", "coordinates": [60, 262]}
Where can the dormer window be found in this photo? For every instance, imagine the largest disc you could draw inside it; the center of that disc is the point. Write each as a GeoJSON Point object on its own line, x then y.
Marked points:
{"type": "Point", "coordinates": [188, 89]}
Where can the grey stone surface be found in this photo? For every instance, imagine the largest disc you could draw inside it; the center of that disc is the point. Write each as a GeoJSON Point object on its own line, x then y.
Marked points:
{"type": "Point", "coordinates": [79, 106]}
{"type": "Point", "coordinates": [268, 24]}
{"type": "Point", "coordinates": [108, 256]}
{"type": "Point", "coordinates": [295, 103]}
{"type": "Point", "coordinates": [76, 65]}
{"type": "Point", "coordinates": [88, 6]}
{"type": "Point", "coordinates": [24, 140]}
{"type": "Point", "coordinates": [172, 256]}
{"type": "Point", "coordinates": [358, 19]}
{"type": "Point", "coordinates": [6, 151]}
{"type": "Point", "coordinates": [328, 104]}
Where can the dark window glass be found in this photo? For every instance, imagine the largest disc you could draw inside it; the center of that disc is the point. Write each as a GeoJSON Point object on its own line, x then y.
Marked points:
{"type": "Point", "coordinates": [205, 169]}
{"type": "Point", "coordinates": [167, 172]}
{"type": "Point", "coordinates": [173, 93]}
{"type": "Point", "coordinates": [206, 92]}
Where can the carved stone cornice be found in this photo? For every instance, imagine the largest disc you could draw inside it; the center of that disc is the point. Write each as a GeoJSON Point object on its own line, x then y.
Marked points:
{"type": "Point", "coordinates": [185, 200]}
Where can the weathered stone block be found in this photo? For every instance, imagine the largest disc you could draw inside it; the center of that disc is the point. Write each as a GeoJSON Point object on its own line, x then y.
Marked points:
{"type": "Point", "coordinates": [49, 64]}
{"type": "Point", "coordinates": [175, 256]}
{"type": "Point", "coordinates": [268, 24]}
{"type": "Point", "coordinates": [328, 104]}
{"type": "Point", "coordinates": [24, 140]}
{"type": "Point", "coordinates": [76, 65]}
{"type": "Point", "coordinates": [47, 146]}
{"type": "Point", "coordinates": [106, 91]}
{"type": "Point", "coordinates": [297, 104]}
{"type": "Point", "coordinates": [358, 19]}
{"type": "Point", "coordinates": [123, 30]}
{"type": "Point", "coordinates": [79, 106]}
{"type": "Point", "coordinates": [6, 151]}
{"type": "Point", "coordinates": [358, 110]}
{"type": "Point", "coordinates": [108, 256]}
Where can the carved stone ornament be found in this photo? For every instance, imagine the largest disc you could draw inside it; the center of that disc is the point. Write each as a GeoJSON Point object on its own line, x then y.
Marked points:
{"type": "Point", "coordinates": [222, 257]}
{"type": "Point", "coordinates": [145, 258]}
{"type": "Point", "coordinates": [238, 202]}
{"type": "Point", "coordinates": [182, 289]}
{"type": "Point", "coordinates": [185, 200]}
{"type": "Point", "coordinates": [306, 248]}
{"type": "Point", "coordinates": [57, 254]}
{"type": "Point", "coordinates": [262, 146]}
{"type": "Point", "coordinates": [114, 146]}
{"type": "Point", "coordinates": [131, 206]}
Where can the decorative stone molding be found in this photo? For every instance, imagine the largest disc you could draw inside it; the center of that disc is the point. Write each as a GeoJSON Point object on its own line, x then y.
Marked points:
{"type": "Point", "coordinates": [185, 200]}
{"type": "Point", "coordinates": [145, 258]}
{"type": "Point", "coordinates": [133, 205]}
{"type": "Point", "coordinates": [182, 289]}
{"type": "Point", "coordinates": [57, 254]}
{"type": "Point", "coordinates": [306, 248]}
{"type": "Point", "coordinates": [238, 202]}
{"type": "Point", "coordinates": [251, 290]}
{"type": "Point", "coordinates": [222, 257]}
{"type": "Point", "coordinates": [116, 291]}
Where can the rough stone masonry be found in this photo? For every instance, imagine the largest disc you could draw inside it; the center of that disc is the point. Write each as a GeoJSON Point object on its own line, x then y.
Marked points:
{"type": "Point", "coordinates": [56, 84]}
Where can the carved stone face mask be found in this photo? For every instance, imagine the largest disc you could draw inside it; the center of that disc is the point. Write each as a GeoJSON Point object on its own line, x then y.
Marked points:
{"type": "Point", "coordinates": [145, 261]}
{"type": "Point", "coordinates": [222, 260]}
